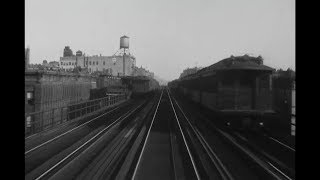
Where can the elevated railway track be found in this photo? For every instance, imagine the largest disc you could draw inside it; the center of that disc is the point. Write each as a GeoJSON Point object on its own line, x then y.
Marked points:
{"type": "Point", "coordinates": [159, 137]}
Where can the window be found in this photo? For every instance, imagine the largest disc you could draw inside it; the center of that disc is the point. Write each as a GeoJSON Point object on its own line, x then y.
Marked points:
{"type": "Point", "coordinates": [28, 121]}
{"type": "Point", "coordinates": [93, 63]}
{"type": "Point", "coordinates": [69, 63]}
{"type": "Point", "coordinates": [29, 95]}
{"type": "Point", "coordinates": [104, 63]}
{"type": "Point", "coordinates": [89, 62]}
{"type": "Point", "coordinates": [97, 63]}
{"type": "Point", "coordinates": [30, 98]}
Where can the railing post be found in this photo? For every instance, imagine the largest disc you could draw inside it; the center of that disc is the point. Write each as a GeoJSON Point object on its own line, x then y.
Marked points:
{"type": "Point", "coordinates": [67, 113]}
{"type": "Point", "coordinates": [86, 108]}
{"type": "Point", "coordinates": [61, 112]}
{"type": "Point", "coordinates": [81, 110]}
{"type": "Point", "coordinates": [41, 121]}
{"type": "Point", "coordinates": [76, 112]}
{"type": "Point", "coordinates": [25, 125]}
{"type": "Point", "coordinates": [52, 117]}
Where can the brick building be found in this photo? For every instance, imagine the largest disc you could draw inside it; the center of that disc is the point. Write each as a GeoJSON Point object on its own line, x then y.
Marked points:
{"type": "Point", "coordinates": [47, 90]}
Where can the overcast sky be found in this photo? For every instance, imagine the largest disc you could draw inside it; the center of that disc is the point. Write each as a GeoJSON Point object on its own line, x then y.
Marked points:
{"type": "Point", "coordinates": [166, 36]}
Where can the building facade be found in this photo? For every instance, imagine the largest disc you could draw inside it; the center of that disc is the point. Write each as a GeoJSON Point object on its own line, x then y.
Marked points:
{"type": "Point", "coordinates": [112, 65]}
{"type": "Point", "coordinates": [53, 65]}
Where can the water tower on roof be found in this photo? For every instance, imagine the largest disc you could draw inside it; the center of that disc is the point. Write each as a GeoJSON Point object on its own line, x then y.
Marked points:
{"type": "Point", "coordinates": [124, 45]}
{"type": "Point", "coordinates": [124, 42]}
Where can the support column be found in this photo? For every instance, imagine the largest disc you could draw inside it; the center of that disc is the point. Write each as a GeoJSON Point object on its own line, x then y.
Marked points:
{"type": "Point", "coordinates": [257, 85]}
{"type": "Point", "coordinates": [270, 82]}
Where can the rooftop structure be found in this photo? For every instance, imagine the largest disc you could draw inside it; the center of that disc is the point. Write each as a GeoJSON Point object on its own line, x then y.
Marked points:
{"type": "Point", "coordinates": [247, 63]}
{"type": "Point", "coordinates": [67, 52]}
{"type": "Point", "coordinates": [189, 71]}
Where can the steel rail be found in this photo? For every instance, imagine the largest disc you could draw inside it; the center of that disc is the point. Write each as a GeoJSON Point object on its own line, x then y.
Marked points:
{"type": "Point", "coordinates": [266, 155]}
{"type": "Point", "coordinates": [96, 138]}
{"type": "Point", "coordinates": [281, 143]}
{"type": "Point", "coordinates": [260, 162]}
{"type": "Point", "coordinates": [146, 139]}
{"type": "Point", "coordinates": [63, 134]}
{"type": "Point", "coordinates": [184, 139]}
{"type": "Point", "coordinates": [225, 174]}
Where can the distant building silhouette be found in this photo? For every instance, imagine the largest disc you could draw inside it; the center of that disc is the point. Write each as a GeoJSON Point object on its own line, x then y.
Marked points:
{"type": "Point", "coordinates": [67, 52]}
{"type": "Point", "coordinates": [27, 57]}
{"type": "Point", "coordinates": [142, 72]}
{"type": "Point", "coordinates": [79, 53]}
{"type": "Point", "coordinates": [189, 71]}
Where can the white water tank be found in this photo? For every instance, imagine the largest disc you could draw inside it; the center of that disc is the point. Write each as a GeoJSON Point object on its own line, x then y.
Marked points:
{"type": "Point", "coordinates": [124, 42]}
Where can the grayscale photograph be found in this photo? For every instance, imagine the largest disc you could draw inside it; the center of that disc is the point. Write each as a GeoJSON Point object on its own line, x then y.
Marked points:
{"type": "Point", "coordinates": [160, 89]}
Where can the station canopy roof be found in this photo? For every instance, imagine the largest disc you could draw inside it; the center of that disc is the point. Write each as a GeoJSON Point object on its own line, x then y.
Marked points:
{"type": "Point", "coordinates": [235, 63]}
{"type": "Point", "coordinates": [239, 63]}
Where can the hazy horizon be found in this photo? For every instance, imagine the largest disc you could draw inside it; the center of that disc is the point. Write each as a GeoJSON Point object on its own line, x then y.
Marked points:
{"type": "Point", "coordinates": [165, 36]}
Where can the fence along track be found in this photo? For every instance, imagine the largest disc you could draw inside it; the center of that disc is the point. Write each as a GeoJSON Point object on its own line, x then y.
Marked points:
{"type": "Point", "coordinates": [37, 122]}
{"type": "Point", "coordinates": [63, 134]}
